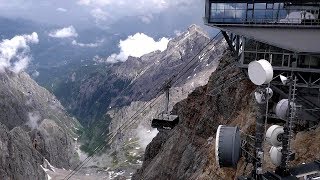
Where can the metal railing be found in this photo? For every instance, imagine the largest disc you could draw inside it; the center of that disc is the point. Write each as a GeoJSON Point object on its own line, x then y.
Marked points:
{"type": "Point", "coordinates": [264, 21]}
{"type": "Point", "coordinates": [279, 14]}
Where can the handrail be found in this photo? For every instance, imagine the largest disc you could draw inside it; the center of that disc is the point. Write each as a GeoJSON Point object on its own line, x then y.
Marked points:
{"type": "Point", "coordinates": [265, 21]}
{"type": "Point", "coordinates": [242, 14]}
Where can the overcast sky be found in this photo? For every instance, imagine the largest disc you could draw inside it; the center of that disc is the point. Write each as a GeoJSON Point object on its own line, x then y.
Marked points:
{"type": "Point", "coordinates": [116, 25]}
{"type": "Point", "coordinates": [81, 13]}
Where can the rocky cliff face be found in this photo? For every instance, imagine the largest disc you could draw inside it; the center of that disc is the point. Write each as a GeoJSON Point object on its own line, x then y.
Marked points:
{"type": "Point", "coordinates": [34, 127]}
{"type": "Point", "coordinates": [19, 159]}
{"type": "Point", "coordinates": [24, 102]}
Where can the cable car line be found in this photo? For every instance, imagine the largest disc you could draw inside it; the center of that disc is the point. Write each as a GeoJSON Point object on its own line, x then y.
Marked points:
{"type": "Point", "coordinates": [132, 118]}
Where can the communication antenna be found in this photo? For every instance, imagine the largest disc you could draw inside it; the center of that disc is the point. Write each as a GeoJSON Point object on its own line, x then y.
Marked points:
{"type": "Point", "coordinates": [228, 141]}
{"type": "Point", "coordinates": [274, 135]}
{"type": "Point", "coordinates": [276, 155]}
{"type": "Point", "coordinates": [284, 79]}
{"type": "Point", "coordinates": [228, 146]}
{"type": "Point", "coordinates": [260, 73]}
{"type": "Point", "coordinates": [283, 107]}
{"type": "Point", "coordinates": [291, 113]}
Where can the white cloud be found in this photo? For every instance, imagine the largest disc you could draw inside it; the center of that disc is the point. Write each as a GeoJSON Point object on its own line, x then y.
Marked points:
{"type": "Point", "coordinates": [147, 18]}
{"type": "Point", "coordinates": [62, 9]}
{"type": "Point", "coordinates": [106, 9]}
{"type": "Point", "coordinates": [64, 32]}
{"type": "Point", "coordinates": [94, 2]}
{"type": "Point", "coordinates": [35, 74]}
{"type": "Point", "coordinates": [145, 135]}
{"type": "Point", "coordinates": [137, 46]}
{"type": "Point", "coordinates": [34, 118]}
{"type": "Point", "coordinates": [100, 15]}
{"type": "Point", "coordinates": [14, 52]}
{"type": "Point", "coordinates": [96, 44]}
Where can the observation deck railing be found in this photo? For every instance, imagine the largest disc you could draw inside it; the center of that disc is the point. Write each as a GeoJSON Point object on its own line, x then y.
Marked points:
{"type": "Point", "coordinates": [269, 13]}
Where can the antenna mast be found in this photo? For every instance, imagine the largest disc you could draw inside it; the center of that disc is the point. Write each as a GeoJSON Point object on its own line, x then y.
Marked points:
{"type": "Point", "coordinates": [287, 153]}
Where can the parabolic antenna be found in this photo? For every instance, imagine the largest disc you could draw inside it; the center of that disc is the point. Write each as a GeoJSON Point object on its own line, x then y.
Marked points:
{"type": "Point", "coordinates": [260, 72]}
{"type": "Point", "coordinates": [274, 135]}
{"type": "Point", "coordinates": [275, 155]}
{"type": "Point", "coordinates": [228, 146]}
{"type": "Point", "coordinates": [284, 79]}
{"type": "Point", "coordinates": [282, 107]}
{"type": "Point", "coordinates": [263, 96]}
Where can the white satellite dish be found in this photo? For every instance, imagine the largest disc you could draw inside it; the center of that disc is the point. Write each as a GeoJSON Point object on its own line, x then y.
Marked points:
{"type": "Point", "coordinates": [275, 155]}
{"type": "Point", "coordinates": [284, 79]}
{"type": "Point", "coordinates": [263, 97]}
{"type": "Point", "coordinates": [260, 72]}
{"type": "Point", "coordinates": [274, 135]}
{"type": "Point", "coordinates": [282, 108]}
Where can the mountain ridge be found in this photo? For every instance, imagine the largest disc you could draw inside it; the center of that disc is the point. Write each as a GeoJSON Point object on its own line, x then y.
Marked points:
{"type": "Point", "coordinates": [35, 128]}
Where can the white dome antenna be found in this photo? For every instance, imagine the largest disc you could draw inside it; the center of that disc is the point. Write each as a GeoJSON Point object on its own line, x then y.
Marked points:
{"type": "Point", "coordinates": [260, 72]}
{"type": "Point", "coordinates": [274, 135]}
{"type": "Point", "coordinates": [275, 155]}
{"type": "Point", "coordinates": [282, 108]}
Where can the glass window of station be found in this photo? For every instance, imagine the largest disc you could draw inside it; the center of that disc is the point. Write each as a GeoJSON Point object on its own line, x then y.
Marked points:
{"type": "Point", "coordinates": [264, 13]}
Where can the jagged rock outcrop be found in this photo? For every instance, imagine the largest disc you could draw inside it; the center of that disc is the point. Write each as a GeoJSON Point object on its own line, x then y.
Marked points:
{"type": "Point", "coordinates": [18, 158]}
{"type": "Point", "coordinates": [55, 144]}
{"type": "Point", "coordinates": [23, 99]}
{"type": "Point", "coordinates": [34, 127]}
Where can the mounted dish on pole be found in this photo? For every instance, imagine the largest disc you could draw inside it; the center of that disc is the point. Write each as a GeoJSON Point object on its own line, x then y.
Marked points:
{"type": "Point", "coordinates": [260, 73]}
{"type": "Point", "coordinates": [165, 120]}
{"type": "Point", "coordinates": [228, 141]}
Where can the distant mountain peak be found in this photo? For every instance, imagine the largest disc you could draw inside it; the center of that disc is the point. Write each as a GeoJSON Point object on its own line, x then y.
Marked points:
{"type": "Point", "coordinates": [197, 29]}
{"type": "Point", "coordinates": [193, 27]}
{"type": "Point", "coordinates": [193, 34]}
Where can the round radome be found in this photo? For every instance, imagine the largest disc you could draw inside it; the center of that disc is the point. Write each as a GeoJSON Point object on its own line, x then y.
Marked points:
{"type": "Point", "coordinates": [275, 155]}
{"type": "Point", "coordinates": [260, 72]}
{"type": "Point", "coordinates": [228, 146]}
{"type": "Point", "coordinates": [282, 108]}
{"type": "Point", "coordinates": [274, 135]}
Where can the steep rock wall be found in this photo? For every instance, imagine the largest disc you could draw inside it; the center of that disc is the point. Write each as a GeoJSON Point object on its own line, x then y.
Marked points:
{"type": "Point", "coordinates": [18, 158]}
